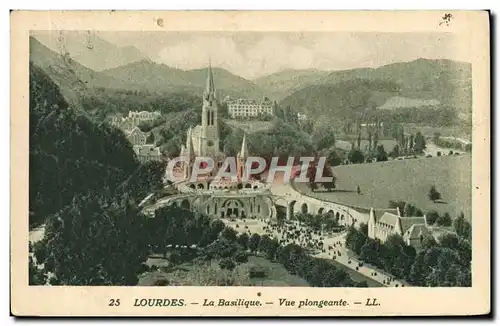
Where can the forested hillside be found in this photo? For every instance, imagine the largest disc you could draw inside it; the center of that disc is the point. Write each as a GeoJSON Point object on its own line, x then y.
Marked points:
{"type": "Point", "coordinates": [342, 100]}
{"type": "Point", "coordinates": [441, 84]}
{"type": "Point", "coordinates": [70, 155]}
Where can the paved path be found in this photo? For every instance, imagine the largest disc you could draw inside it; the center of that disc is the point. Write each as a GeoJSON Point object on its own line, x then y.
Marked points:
{"type": "Point", "coordinates": [380, 276]}
{"type": "Point", "coordinates": [335, 241]}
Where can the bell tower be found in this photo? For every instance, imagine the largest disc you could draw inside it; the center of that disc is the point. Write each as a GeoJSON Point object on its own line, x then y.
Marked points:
{"type": "Point", "coordinates": [209, 142]}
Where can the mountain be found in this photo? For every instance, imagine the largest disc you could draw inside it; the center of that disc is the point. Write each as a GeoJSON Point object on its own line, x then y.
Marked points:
{"type": "Point", "coordinates": [70, 76]}
{"type": "Point", "coordinates": [343, 100]}
{"type": "Point", "coordinates": [284, 83]}
{"type": "Point", "coordinates": [153, 76]}
{"type": "Point", "coordinates": [439, 82]}
{"type": "Point", "coordinates": [89, 49]}
{"type": "Point", "coordinates": [447, 81]}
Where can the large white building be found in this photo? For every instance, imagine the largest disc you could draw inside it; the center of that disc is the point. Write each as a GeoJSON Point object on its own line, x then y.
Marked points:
{"type": "Point", "coordinates": [244, 108]}
{"type": "Point", "coordinates": [413, 230]}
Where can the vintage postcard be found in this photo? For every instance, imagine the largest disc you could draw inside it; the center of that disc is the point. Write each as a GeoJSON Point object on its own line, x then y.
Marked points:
{"type": "Point", "coordinates": [264, 163]}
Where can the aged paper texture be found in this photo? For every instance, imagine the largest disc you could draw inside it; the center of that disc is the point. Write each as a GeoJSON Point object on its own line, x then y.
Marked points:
{"type": "Point", "coordinates": [265, 163]}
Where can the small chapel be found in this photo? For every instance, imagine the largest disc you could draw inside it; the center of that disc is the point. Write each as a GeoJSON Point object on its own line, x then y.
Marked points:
{"type": "Point", "coordinates": [412, 229]}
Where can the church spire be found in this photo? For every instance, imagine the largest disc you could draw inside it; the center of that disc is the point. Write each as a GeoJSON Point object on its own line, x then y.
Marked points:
{"type": "Point", "coordinates": [244, 149]}
{"type": "Point", "coordinates": [189, 144]}
{"type": "Point", "coordinates": [210, 86]}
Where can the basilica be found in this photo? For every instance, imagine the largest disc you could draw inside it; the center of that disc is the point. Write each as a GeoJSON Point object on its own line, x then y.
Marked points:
{"type": "Point", "coordinates": [224, 197]}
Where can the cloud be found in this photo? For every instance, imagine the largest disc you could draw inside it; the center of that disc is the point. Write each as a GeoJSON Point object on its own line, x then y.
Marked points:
{"type": "Point", "coordinates": [253, 55]}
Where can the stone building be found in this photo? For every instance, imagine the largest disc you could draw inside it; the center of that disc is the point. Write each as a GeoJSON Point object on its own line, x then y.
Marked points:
{"type": "Point", "coordinates": [147, 153]}
{"type": "Point", "coordinates": [245, 108]}
{"type": "Point", "coordinates": [137, 137]}
{"type": "Point", "coordinates": [413, 230]}
{"type": "Point", "coordinates": [144, 116]}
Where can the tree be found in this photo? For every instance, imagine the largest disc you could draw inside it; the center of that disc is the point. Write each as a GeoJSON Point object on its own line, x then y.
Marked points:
{"type": "Point", "coordinates": [36, 276]}
{"type": "Point", "coordinates": [434, 195]}
{"type": "Point", "coordinates": [151, 138]}
{"type": "Point", "coordinates": [449, 240]}
{"type": "Point", "coordinates": [333, 158]}
{"type": "Point", "coordinates": [462, 227]}
{"type": "Point", "coordinates": [395, 152]}
{"type": "Point", "coordinates": [323, 137]}
{"type": "Point", "coordinates": [229, 234]}
{"type": "Point", "coordinates": [253, 242]}
{"type": "Point", "coordinates": [409, 210]}
{"type": "Point", "coordinates": [355, 239]}
{"type": "Point", "coordinates": [94, 241]}
{"type": "Point", "coordinates": [381, 154]}
{"type": "Point", "coordinates": [370, 252]}
{"type": "Point", "coordinates": [428, 242]}
{"type": "Point", "coordinates": [243, 240]}
{"type": "Point", "coordinates": [432, 217]}
{"type": "Point", "coordinates": [444, 220]}
{"type": "Point", "coordinates": [419, 143]}
{"type": "Point", "coordinates": [227, 263]}
{"type": "Point", "coordinates": [241, 257]}
{"type": "Point", "coordinates": [356, 156]}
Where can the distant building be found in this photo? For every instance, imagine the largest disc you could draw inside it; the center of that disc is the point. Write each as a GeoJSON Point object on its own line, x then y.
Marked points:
{"type": "Point", "coordinates": [137, 137]}
{"type": "Point", "coordinates": [144, 116]}
{"type": "Point", "coordinates": [301, 117]}
{"type": "Point", "coordinates": [413, 230]}
{"type": "Point", "coordinates": [133, 119]}
{"type": "Point", "coordinates": [244, 108]}
{"type": "Point", "coordinates": [147, 153]}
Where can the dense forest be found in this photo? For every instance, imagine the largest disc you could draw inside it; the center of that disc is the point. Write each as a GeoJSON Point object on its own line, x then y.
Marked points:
{"type": "Point", "coordinates": [67, 147]}
{"type": "Point", "coordinates": [103, 102]}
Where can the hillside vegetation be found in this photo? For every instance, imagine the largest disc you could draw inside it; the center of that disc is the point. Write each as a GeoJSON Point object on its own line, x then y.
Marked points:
{"type": "Point", "coordinates": [66, 148]}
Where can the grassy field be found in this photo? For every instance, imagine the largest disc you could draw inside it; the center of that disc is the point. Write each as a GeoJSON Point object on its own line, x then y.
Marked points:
{"type": "Point", "coordinates": [455, 131]}
{"type": "Point", "coordinates": [346, 145]}
{"type": "Point", "coordinates": [408, 180]}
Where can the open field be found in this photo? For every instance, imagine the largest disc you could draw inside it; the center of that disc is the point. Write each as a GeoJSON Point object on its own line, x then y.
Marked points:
{"type": "Point", "coordinates": [454, 131]}
{"type": "Point", "coordinates": [346, 145]}
{"type": "Point", "coordinates": [408, 180]}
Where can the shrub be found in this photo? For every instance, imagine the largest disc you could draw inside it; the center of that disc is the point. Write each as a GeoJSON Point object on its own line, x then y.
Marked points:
{"type": "Point", "coordinates": [227, 263]}
{"type": "Point", "coordinates": [162, 282]}
{"type": "Point", "coordinates": [257, 272]}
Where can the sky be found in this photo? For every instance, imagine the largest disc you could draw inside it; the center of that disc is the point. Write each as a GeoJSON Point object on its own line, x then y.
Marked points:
{"type": "Point", "coordinates": [255, 54]}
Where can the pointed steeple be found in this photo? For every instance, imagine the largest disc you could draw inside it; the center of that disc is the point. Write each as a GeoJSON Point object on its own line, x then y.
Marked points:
{"type": "Point", "coordinates": [190, 149]}
{"type": "Point", "coordinates": [244, 149]}
{"type": "Point", "coordinates": [189, 133]}
{"type": "Point", "coordinates": [189, 143]}
{"type": "Point", "coordinates": [210, 86]}
{"type": "Point", "coordinates": [372, 216]}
